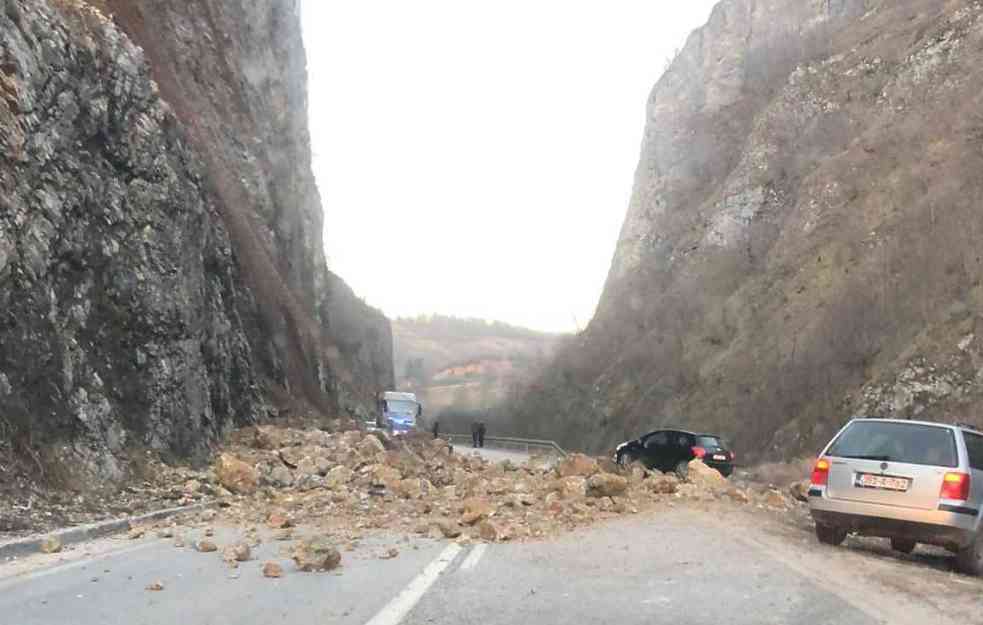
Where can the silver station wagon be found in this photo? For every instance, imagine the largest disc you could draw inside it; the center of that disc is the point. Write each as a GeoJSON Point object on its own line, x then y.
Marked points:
{"type": "Point", "coordinates": [910, 481]}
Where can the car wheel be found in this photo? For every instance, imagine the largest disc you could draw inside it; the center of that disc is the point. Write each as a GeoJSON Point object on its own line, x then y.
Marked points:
{"type": "Point", "coordinates": [969, 559]}
{"type": "Point", "coordinates": [904, 545]}
{"type": "Point", "coordinates": [829, 535]}
{"type": "Point", "coordinates": [682, 469]}
{"type": "Point", "coordinates": [625, 459]}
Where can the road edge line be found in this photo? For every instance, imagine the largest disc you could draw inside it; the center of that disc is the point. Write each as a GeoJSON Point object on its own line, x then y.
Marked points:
{"type": "Point", "coordinates": [406, 600]}
{"type": "Point", "coordinates": [83, 533]}
{"type": "Point", "coordinates": [472, 560]}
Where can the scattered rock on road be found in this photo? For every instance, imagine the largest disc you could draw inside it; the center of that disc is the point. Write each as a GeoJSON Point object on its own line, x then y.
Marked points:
{"type": "Point", "coordinates": [205, 546]}
{"type": "Point", "coordinates": [316, 554]}
{"type": "Point", "coordinates": [238, 552]}
{"type": "Point", "coordinates": [51, 544]}
{"type": "Point", "coordinates": [272, 569]}
{"type": "Point", "coordinates": [155, 586]}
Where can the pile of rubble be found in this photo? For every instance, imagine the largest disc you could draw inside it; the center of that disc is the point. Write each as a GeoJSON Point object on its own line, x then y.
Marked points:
{"type": "Point", "coordinates": [319, 493]}
{"type": "Point", "coordinates": [350, 483]}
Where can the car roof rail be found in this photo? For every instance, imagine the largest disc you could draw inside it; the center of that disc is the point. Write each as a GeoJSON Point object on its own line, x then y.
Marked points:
{"type": "Point", "coordinates": [968, 426]}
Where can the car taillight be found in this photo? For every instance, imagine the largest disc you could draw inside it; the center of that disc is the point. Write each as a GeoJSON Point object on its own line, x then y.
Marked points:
{"type": "Point", "coordinates": [955, 486]}
{"type": "Point", "coordinates": [699, 452]}
{"type": "Point", "coordinates": [820, 472]}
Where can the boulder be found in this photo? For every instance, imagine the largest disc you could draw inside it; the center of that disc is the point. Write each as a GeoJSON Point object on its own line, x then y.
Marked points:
{"type": "Point", "coordinates": [738, 495]}
{"type": "Point", "coordinates": [51, 544]}
{"type": "Point", "coordinates": [316, 554]}
{"type": "Point", "coordinates": [490, 531]}
{"type": "Point", "coordinates": [236, 475]}
{"type": "Point", "coordinates": [272, 569]}
{"type": "Point", "coordinates": [571, 487]}
{"type": "Point", "coordinates": [308, 482]}
{"type": "Point", "coordinates": [774, 498]}
{"type": "Point", "coordinates": [410, 488]}
{"type": "Point", "coordinates": [337, 477]}
{"type": "Point", "coordinates": [576, 464]}
{"type": "Point", "coordinates": [606, 485]}
{"type": "Point", "coordinates": [800, 490]}
{"type": "Point", "coordinates": [281, 476]}
{"type": "Point", "coordinates": [447, 528]}
{"type": "Point", "coordinates": [279, 521]}
{"type": "Point", "coordinates": [307, 466]}
{"type": "Point", "coordinates": [476, 509]}
{"type": "Point", "coordinates": [607, 465]}
{"type": "Point", "coordinates": [704, 476]}
{"type": "Point", "coordinates": [383, 475]}
{"type": "Point", "coordinates": [661, 484]}
{"type": "Point", "coordinates": [370, 447]}
{"type": "Point", "coordinates": [238, 552]}
{"type": "Point", "coordinates": [205, 546]}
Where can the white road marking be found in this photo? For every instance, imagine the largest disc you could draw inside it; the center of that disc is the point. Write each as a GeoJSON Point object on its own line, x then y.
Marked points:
{"type": "Point", "coordinates": [472, 560]}
{"type": "Point", "coordinates": [400, 606]}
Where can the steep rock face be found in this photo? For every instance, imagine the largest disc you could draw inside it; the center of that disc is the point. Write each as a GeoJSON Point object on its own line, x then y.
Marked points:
{"type": "Point", "coordinates": [160, 262]}
{"type": "Point", "coordinates": [802, 239]}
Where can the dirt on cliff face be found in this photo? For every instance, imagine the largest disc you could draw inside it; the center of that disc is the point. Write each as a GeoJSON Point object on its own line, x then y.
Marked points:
{"type": "Point", "coordinates": [801, 242]}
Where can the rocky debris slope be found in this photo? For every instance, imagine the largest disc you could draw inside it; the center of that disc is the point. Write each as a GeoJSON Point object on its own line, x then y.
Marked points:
{"type": "Point", "coordinates": [161, 270]}
{"type": "Point", "coordinates": [802, 241]}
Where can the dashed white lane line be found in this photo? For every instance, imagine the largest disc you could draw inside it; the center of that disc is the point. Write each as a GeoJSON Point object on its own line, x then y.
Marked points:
{"type": "Point", "coordinates": [400, 606]}
{"type": "Point", "coordinates": [472, 560]}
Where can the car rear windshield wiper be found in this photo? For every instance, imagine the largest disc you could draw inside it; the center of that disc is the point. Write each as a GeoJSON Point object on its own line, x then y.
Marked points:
{"type": "Point", "coordinates": [862, 457]}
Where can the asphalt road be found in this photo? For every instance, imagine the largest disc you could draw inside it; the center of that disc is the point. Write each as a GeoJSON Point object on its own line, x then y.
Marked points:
{"type": "Point", "coordinates": [681, 565]}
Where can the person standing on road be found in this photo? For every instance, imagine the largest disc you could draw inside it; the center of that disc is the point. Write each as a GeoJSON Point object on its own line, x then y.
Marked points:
{"type": "Point", "coordinates": [481, 434]}
{"type": "Point", "coordinates": [474, 433]}
{"type": "Point", "coordinates": [436, 428]}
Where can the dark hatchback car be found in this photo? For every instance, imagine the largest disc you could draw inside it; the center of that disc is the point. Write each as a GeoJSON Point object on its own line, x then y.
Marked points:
{"type": "Point", "coordinates": [672, 450]}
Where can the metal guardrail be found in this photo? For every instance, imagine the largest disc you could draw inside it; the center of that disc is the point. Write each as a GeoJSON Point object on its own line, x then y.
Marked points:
{"type": "Point", "coordinates": [508, 442]}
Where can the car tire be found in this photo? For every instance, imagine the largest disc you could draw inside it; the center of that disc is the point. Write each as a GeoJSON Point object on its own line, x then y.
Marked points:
{"type": "Point", "coordinates": [682, 469]}
{"type": "Point", "coordinates": [903, 545]}
{"type": "Point", "coordinates": [625, 459]}
{"type": "Point", "coordinates": [830, 535]}
{"type": "Point", "coordinates": [969, 559]}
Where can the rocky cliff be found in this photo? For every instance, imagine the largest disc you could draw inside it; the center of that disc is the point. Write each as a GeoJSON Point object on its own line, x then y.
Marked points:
{"type": "Point", "coordinates": [162, 276]}
{"type": "Point", "coordinates": [802, 242]}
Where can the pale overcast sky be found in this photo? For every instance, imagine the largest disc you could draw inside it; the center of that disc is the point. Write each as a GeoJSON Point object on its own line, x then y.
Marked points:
{"type": "Point", "coordinates": [476, 158]}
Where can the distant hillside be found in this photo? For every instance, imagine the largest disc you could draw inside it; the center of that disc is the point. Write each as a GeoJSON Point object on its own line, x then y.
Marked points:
{"type": "Point", "coordinates": [461, 367]}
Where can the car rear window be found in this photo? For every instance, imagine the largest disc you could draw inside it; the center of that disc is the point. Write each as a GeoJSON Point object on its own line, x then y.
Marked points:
{"type": "Point", "coordinates": [709, 442]}
{"type": "Point", "coordinates": [912, 443]}
{"type": "Point", "coordinates": [974, 445]}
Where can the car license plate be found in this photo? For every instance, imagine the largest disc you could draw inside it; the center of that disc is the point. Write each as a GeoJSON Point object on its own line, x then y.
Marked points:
{"type": "Point", "coordinates": [719, 457]}
{"type": "Point", "coordinates": [886, 482]}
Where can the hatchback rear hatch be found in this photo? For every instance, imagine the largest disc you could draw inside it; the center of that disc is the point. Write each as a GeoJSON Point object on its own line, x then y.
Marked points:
{"type": "Point", "coordinates": [891, 463]}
